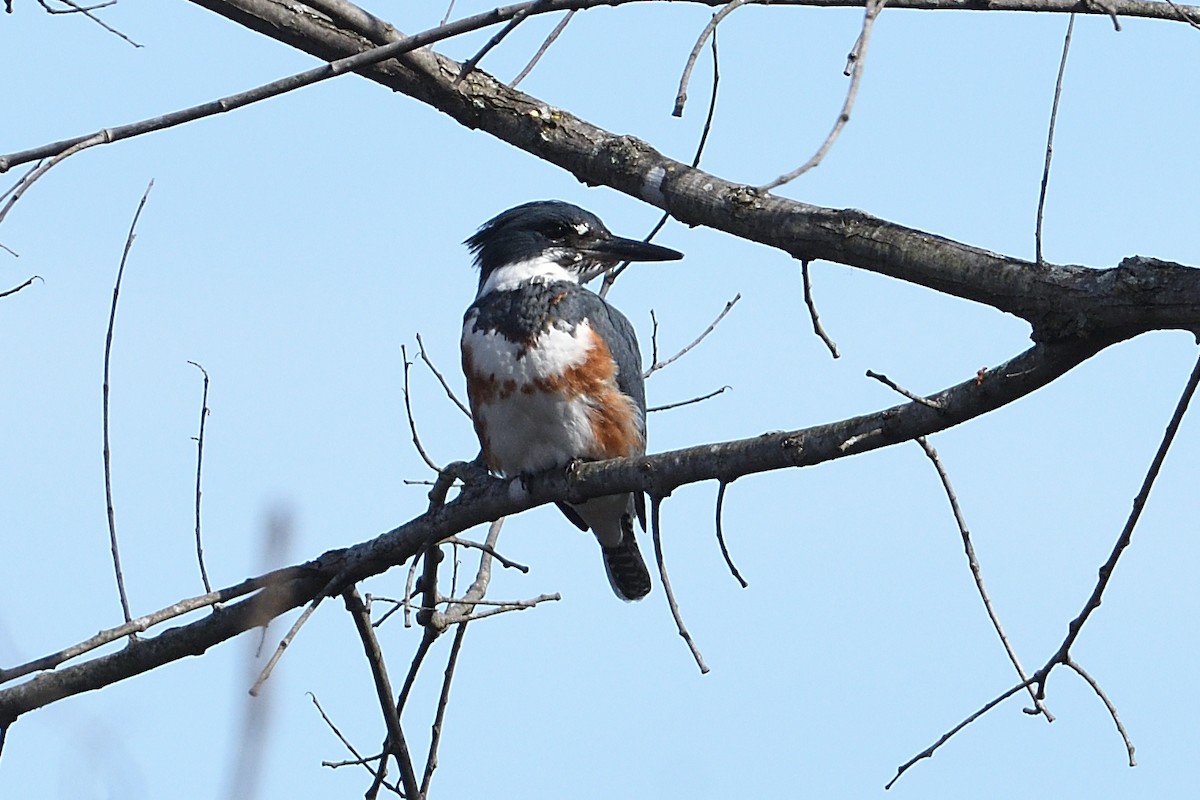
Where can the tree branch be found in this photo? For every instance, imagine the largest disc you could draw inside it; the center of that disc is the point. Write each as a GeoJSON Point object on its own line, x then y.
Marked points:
{"type": "Point", "coordinates": [486, 498]}
{"type": "Point", "coordinates": [1059, 301]}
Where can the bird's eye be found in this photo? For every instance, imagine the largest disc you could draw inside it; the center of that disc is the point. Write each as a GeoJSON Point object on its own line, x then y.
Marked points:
{"type": "Point", "coordinates": [557, 231]}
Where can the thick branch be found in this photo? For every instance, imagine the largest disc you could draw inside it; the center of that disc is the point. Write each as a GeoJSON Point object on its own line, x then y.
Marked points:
{"type": "Point", "coordinates": [1059, 301]}
{"type": "Point", "coordinates": [490, 498]}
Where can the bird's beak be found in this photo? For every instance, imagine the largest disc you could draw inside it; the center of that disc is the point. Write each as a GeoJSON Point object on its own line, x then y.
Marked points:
{"type": "Point", "coordinates": [619, 249]}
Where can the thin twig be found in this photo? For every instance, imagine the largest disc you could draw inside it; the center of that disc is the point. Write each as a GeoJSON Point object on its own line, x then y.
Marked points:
{"type": "Point", "coordinates": [443, 700]}
{"type": "Point", "coordinates": [1139, 503]}
{"type": "Point", "coordinates": [63, 151]}
{"type": "Point", "coordinates": [412, 424]}
{"type": "Point", "coordinates": [86, 11]}
{"type": "Point", "coordinates": [505, 562]}
{"type": "Point", "coordinates": [148, 621]}
{"type": "Point", "coordinates": [709, 30]}
{"type": "Point", "coordinates": [470, 64]}
{"type": "Point", "coordinates": [657, 365]}
{"type": "Point", "coordinates": [721, 536]}
{"type": "Point", "coordinates": [22, 286]}
{"type": "Point", "coordinates": [199, 466]}
{"type": "Point", "coordinates": [359, 759]}
{"type": "Point", "coordinates": [112, 318]}
{"type": "Point", "coordinates": [332, 69]}
{"type": "Point", "coordinates": [916, 398]}
{"type": "Point", "coordinates": [1112, 710]}
{"type": "Point", "coordinates": [1183, 15]}
{"type": "Point", "coordinates": [818, 329]}
{"type": "Point", "coordinates": [611, 276]}
{"type": "Point", "coordinates": [20, 181]}
{"type": "Point", "coordinates": [854, 69]}
{"type": "Point", "coordinates": [928, 751]}
{"type": "Point", "coordinates": [286, 641]}
{"type": "Point", "coordinates": [440, 378]}
{"type": "Point", "coordinates": [396, 744]}
{"type": "Point", "coordinates": [500, 607]}
{"type": "Point", "coordinates": [554, 34]}
{"type": "Point", "coordinates": [1062, 68]}
{"type": "Point", "coordinates": [699, 399]}
{"type": "Point", "coordinates": [977, 573]}
{"type": "Point", "coordinates": [656, 534]}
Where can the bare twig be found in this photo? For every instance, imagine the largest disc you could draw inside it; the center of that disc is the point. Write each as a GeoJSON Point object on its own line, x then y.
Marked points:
{"type": "Point", "coordinates": [516, 20]}
{"type": "Point", "coordinates": [440, 378]}
{"type": "Point", "coordinates": [505, 562]}
{"type": "Point", "coordinates": [1183, 15]}
{"type": "Point", "coordinates": [199, 466]}
{"type": "Point", "coordinates": [1112, 710]}
{"type": "Point", "coordinates": [359, 759]}
{"type": "Point", "coordinates": [916, 398]}
{"type": "Point", "coordinates": [554, 34]}
{"type": "Point", "coordinates": [928, 751]}
{"type": "Point", "coordinates": [709, 30]}
{"type": "Point", "coordinates": [148, 621]}
{"type": "Point", "coordinates": [1062, 68]}
{"type": "Point", "coordinates": [977, 573]}
{"type": "Point", "coordinates": [266, 91]}
{"type": "Point", "coordinates": [1139, 503]}
{"type": "Point", "coordinates": [435, 739]}
{"type": "Point", "coordinates": [396, 744]}
{"type": "Point", "coordinates": [699, 399]}
{"type": "Point", "coordinates": [721, 535]}
{"type": "Point", "coordinates": [22, 286]}
{"type": "Point", "coordinates": [656, 533]}
{"type": "Point", "coordinates": [611, 276]}
{"type": "Point", "coordinates": [112, 318]}
{"type": "Point", "coordinates": [818, 329]}
{"type": "Point", "coordinates": [75, 8]}
{"type": "Point", "coordinates": [412, 424]}
{"type": "Point", "coordinates": [854, 69]}
{"type": "Point", "coordinates": [61, 151]}
{"type": "Point", "coordinates": [499, 607]}
{"type": "Point", "coordinates": [657, 365]}
{"type": "Point", "coordinates": [10, 251]}
{"type": "Point", "coordinates": [20, 181]}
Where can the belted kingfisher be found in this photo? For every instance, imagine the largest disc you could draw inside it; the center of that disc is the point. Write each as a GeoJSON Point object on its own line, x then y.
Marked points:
{"type": "Point", "coordinates": [553, 371]}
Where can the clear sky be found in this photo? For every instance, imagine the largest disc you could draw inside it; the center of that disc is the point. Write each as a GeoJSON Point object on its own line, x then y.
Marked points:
{"type": "Point", "coordinates": [293, 247]}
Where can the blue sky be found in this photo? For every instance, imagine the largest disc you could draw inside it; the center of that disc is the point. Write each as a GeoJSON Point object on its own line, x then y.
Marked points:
{"type": "Point", "coordinates": [293, 247]}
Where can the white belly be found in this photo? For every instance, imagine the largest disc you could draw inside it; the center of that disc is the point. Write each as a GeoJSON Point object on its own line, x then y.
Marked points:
{"type": "Point", "coordinates": [527, 425]}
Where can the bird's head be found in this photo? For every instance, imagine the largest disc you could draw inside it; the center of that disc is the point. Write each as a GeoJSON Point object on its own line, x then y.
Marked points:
{"type": "Point", "coordinates": [552, 237]}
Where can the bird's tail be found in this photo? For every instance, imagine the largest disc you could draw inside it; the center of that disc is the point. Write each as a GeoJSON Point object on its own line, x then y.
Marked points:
{"type": "Point", "coordinates": [626, 570]}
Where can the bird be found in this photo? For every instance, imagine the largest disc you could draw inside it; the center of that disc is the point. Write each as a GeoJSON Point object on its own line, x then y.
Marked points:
{"type": "Point", "coordinates": [553, 371]}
